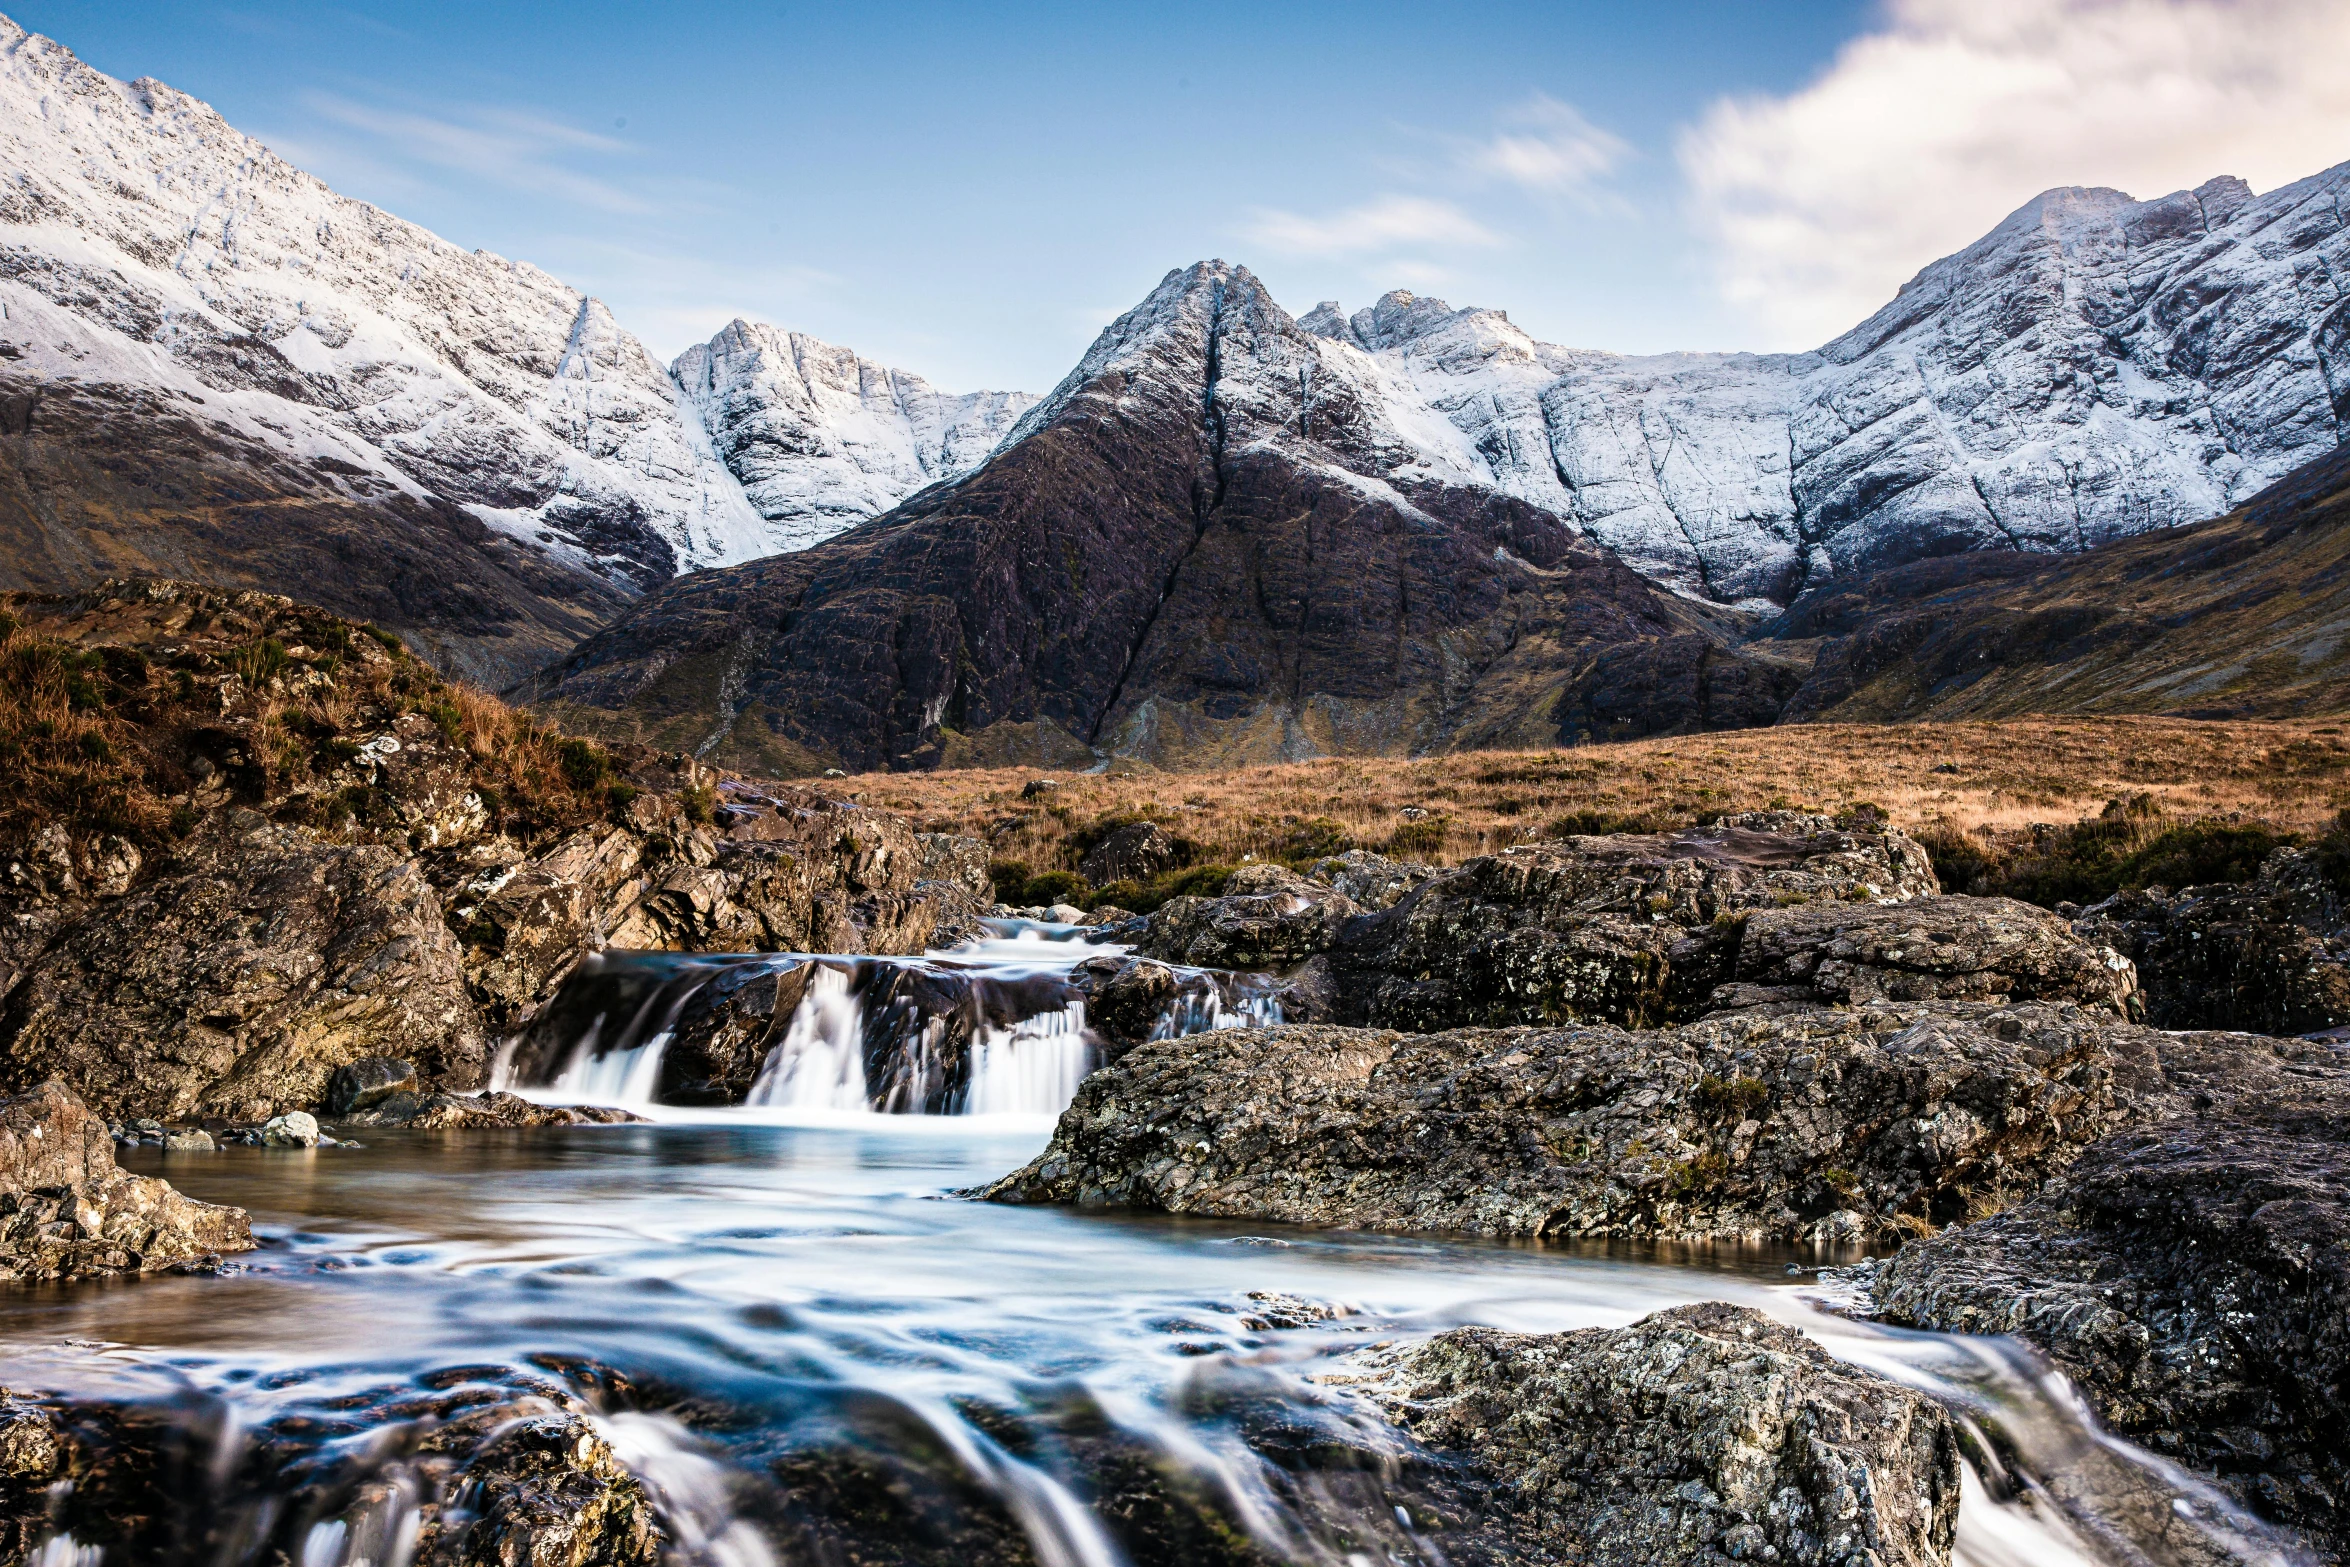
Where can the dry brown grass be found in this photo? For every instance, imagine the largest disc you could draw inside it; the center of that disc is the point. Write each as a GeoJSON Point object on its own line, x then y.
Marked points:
{"type": "Point", "coordinates": [2003, 776]}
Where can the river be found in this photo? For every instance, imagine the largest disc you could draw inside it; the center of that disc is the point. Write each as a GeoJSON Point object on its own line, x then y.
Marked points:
{"type": "Point", "coordinates": [809, 1272]}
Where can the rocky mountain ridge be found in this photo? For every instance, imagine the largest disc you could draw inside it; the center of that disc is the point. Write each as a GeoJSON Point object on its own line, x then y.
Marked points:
{"type": "Point", "coordinates": [497, 461]}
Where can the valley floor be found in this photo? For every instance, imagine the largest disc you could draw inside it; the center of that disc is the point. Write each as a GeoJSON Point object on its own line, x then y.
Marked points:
{"type": "Point", "coordinates": [2005, 776]}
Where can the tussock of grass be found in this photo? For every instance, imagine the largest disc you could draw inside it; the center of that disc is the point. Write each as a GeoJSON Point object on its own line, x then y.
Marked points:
{"type": "Point", "coordinates": [120, 709]}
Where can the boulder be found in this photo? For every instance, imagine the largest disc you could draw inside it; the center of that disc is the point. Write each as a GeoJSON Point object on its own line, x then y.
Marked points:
{"type": "Point", "coordinates": [2191, 1277]}
{"type": "Point", "coordinates": [368, 1082]}
{"type": "Point", "coordinates": [236, 981]}
{"type": "Point", "coordinates": [2270, 956]}
{"type": "Point", "coordinates": [1928, 949]}
{"type": "Point", "coordinates": [1635, 928]}
{"type": "Point", "coordinates": [1814, 1125]}
{"type": "Point", "coordinates": [1135, 852]}
{"type": "Point", "coordinates": [1124, 1008]}
{"type": "Point", "coordinates": [466, 1466]}
{"type": "Point", "coordinates": [294, 1129]}
{"type": "Point", "coordinates": [67, 1212]}
{"type": "Point", "coordinates": [1268, 916]}
{"type": "Point", "coordinates": [1371, 881]}
{"type": "Point", "coordinates": [1701, 1434]}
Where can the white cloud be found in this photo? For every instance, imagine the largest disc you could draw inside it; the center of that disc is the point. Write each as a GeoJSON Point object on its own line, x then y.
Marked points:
{"type": "Point", "coordinates": [517, 150]}
{"type": "Point", "coordinates": [1547, 147]}
{"type": "Point", "coordinates": [1377, 227]}
{"type": "Point", "coordinates": [1924, 134]}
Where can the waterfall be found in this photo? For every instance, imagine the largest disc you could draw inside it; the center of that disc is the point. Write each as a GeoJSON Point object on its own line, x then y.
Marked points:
{"type": "Point", "coordinates": [1032, 1067]}
{"type": "Point", "coordinates": [993, 1028]}
{"type": "Point", "coordinates": [820, 1063]}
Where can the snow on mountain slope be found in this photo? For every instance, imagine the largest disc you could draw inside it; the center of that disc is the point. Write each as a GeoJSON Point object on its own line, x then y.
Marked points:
{"type": "Point", "coordinates": [821, 438]}
{"type": "Point", "coordinates": [2092, 368]}
{"type": "Point", "coordinates": [180, 247]}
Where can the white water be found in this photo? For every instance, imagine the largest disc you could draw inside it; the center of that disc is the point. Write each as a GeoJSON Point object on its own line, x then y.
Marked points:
{"type": "Point", "coordinates": [1000, 1011]}
{"type": "Point", "coordinates": [820, 1063]}
{"type": "Point", "coordinates": [1031, 1068]}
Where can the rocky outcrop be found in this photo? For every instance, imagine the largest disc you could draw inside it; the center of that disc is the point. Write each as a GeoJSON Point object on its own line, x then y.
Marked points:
{"type": "Point", "coordinates": [1884, 1120]}
{"type": "Point", "coordinates": [1268, 916]}
{"type": "Point", "coordinates": [2269, 956]}
{"type": "Point", "coordinates": [1927, 949]}
{"type": "Point", "coordinates": [1701, 1434]}
{"type": "Point", "coordinates": [275, 846]}
{"type": "Point", "coordinates": [1638, 929]}
{"type": "Point", "coordinates": [235, 983]}
{"type": "Point", "coordinates": [1371, 881]}
{"type": "Point", "coordinates": [66, 1211]}
{"type": "Point", "coordinates": [2192, 1277]}
{"type": "Point", "coordinates": [1135, 852]}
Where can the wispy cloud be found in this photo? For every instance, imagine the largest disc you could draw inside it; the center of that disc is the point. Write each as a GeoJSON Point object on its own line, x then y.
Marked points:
{"type": "Point", "coordinates": [512, 148]}
{"type": "Point", "coordinates": [1377, 227]}
{"type": "Point", "coordinates": [1547, 147]}
{"type": "Point", "coordinates": [1925, 133]}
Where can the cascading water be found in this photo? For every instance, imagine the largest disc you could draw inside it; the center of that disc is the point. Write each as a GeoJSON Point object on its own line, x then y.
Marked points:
{"type": "Point", "coordinates": [994, 1027]}
{"type": "Point", "coordinates": [820, 1065]}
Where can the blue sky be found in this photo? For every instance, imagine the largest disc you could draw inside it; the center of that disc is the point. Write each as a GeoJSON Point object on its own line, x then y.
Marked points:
{"type": "Point", "coordinates": [971, 192]}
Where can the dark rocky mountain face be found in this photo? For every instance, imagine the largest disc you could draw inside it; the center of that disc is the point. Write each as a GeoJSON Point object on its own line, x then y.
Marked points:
{"type": "Point", "coordinates": [1200, 548]}
{"type": "Point", "coordinates": [2241, 616]}
{"type": "Point", "coordinates": [105, 480]}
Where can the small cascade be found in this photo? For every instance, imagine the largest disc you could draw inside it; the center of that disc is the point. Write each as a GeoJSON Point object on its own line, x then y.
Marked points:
{"type": "Point", "coordinates": [820, 1064]}
{"type": "Point", "coordinates": [996, 1027]}
{"type": "Point", "coordinates": [1208, 1001]}
{"type": "Point", "coordinates": [1032, 1067]}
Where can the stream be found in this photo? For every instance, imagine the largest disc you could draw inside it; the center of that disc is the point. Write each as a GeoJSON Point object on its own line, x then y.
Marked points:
{"type": "Point", "coordinates": [796, 1276]}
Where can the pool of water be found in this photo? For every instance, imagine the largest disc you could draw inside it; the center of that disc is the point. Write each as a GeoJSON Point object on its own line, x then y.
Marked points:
{"type": "Point", "coordinates": [813, 1274]}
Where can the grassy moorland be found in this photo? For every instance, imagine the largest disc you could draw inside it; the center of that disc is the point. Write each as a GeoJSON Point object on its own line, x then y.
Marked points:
{"type": "Point", "coordinates": [2018, 805]}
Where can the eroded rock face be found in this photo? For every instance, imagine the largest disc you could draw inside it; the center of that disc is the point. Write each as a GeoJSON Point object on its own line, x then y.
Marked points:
{"type": "Point", "coordinates": [1135, 852]}
{"type": "Point", "coordinates": [66, 1211]}
{"type": "Point", "coordinates": [2271, 956]}
{"type": "Point", "coordinates": [1127, 1005]}
{"type": "Point", "coordinates": [2193, 1277]}
{"type": "Point", "coordinates": [237, 981]}
{"type": "Point", "coordinates": [1699, 1434]}
{"type": "Point", "coordinates": [1635, 929]}
{"type": "Point", "coordinates": [1808, 1125]}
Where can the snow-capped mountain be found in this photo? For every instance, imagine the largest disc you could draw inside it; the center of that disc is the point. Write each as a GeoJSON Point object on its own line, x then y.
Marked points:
{"type": "Point", "coordinates": [149, 247]}
{"type": "Point", "coordinates": [822, 438]}
{"type": "Point", "coordinates": [2094, 367]}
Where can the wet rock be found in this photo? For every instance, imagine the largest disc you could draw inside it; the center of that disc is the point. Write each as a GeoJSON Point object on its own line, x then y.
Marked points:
{"type": "Point", "coordinates": [195, 1141]}
{"type": "Point", "coordinates": [468, 1112]}
{"type": "Point", "coordinates": [1064, 914]}
{"type": "Point", "coordinates": [368, 1082]}
{"type": "Point", "coordinates": [67, 1212]}
{"type": "Point", "coordinates": [465, 1466]}
{"type": "Point", "coordinates": [1885, 1120]}
{"type": "Point", "coordinates": [1371, 881]}
{"type": "Point", "coordinates": [549, 1489]}
{"type": "Point", "coordinates": [2271, 956]}
{"type": "Point", "coordinates": [1135, 852]}
{"type": "Point", "coordinates": [295, 1129]}
{"type": "Point", "coordinates": [2191, 1277]}
{"type": "Point", "coordinates": [1699, 1434]}
{"type": "Point", "coordinates": [1928, 949]}
{"type": "Point", "coordinates": [1268, 916]}
{"type": "Point", "coordinates": [1128, 1005]}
